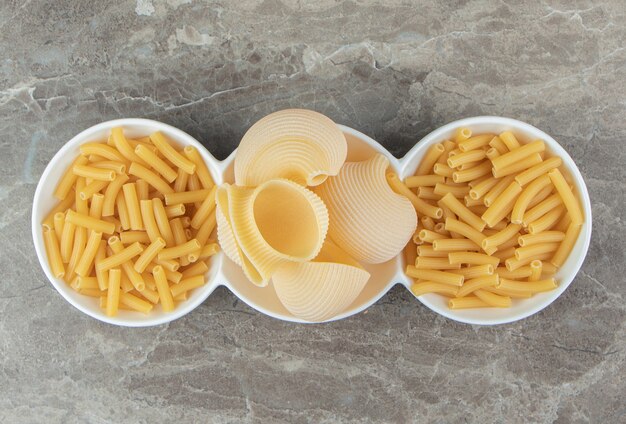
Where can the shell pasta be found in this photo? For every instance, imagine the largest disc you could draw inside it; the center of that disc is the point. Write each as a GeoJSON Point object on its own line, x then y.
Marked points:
{"type": "Point", "coordinates": [107, 235]}
{"type": "Point", "coordinates": [510, 220]}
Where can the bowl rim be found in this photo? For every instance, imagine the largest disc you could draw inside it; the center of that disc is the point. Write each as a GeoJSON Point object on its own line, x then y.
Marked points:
{"type": "Point", "coordinates": [569, 163]}
{"type": "Point", "coordinates": [62, 288]}
{"type": "Point", "coordinates": [401, 164]}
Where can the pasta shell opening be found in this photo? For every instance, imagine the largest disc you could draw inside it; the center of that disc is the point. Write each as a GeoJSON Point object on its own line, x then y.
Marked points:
{"type": "Point", "coordinates": [301, 145]}
{"type": "Point", "coordinates": [368, 220]}
{"type": "Point", "coordinates": [279, 221]}
{"type": "Point", "coordinates": [320, 290]}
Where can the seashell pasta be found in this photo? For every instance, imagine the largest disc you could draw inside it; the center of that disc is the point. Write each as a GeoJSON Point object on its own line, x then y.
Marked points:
{"type": "Point", "coordinates": [323, 288]}
{"type": "Point", "coordinates": [302, 145]}
{"type": "Point", "coordinates": [368, 219]}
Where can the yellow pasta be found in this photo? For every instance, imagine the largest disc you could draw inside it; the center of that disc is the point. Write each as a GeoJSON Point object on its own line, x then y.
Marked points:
{"type": "Point", "coordinates": [566, 246]}
{"type": "Point", "coordinates": [541, 209]}
{"type": "Point", "coordinates": [472, 258]}
{"type": "Point", "coordinates": [163, 288]}
{"type": "Point", "coordinates": [118, 167]}
{"type": "Point", "coordinates": [130, 237]}
{"type": "Point", "coordinates": [48, 221]}
{"type": "Point", "coordinates": [517, 167]}
{"type": "Point", "coordinates": [443, 170]}
{"type": "Point", "coordinates": [168, 265]}
{"type": "Point", "coordinates": [435, 263]}
{"type": "Point", "coordinates": [173, 211]}
{"type": "Point", "coordinates": [156, 163]}
{"type": "Point", "coordinates": [429, 236]}
{"type": "Point", "coordinates": [536, 268]}
{"type": "Point", "coordinates": [186, 197]}
{"type": "Point", "coordinates": [124, 147]}
{"type": "Point", "coordinates": [181, 181]}
{"type": "Point", "coordinates": [78, 247]}
{"type": "Point", "coordinates": [135, 303]}
{"type": "Point", "coordinates": [527, 195]}
{"type": "Point", "coordinates": [538, 170]}
{"type": "Point", "coordinates": [93, 172]}
{"type": "Point", "coordinates": [475, 142]}
{"type": "Point", "coordinates": [101, 275]}
{"type": "Point", "coordinates": [59, 222]}
{"type": "Point", "coordinates": [113, 291]}
{"type": "Point", "coordinates": [132, 203]}
{"type": "Point", "coordinates": [102, 150]}
{"type": "Point", "coordinates": [205, 209]}
{"type": "Point", "coordinates": [467, 302]}
{"type": "Point", "coordinates": [470, 286]}
{"type": "Point", "coordinates": [171, 154]}
{"type": "Point", "coordinates": [522, 272]}
{"type": "Point", "coordinates": [208, 250]}
{"type": "Point", "coordinates": [509, 140]}
{"type": "Point", "coordinates": [499, 145]}
{"type": "Point", "coordinates": [435, 276]}
{"type": "Point", "coordinates": [518, 154]}
{"type": "Point", "coordinates": [523, 253]}
{"type": "Point", "coordinates": [80, 204]}
{"type": "Point", "coordinates": [122, 211]}
{"type": "Point", "coordinates": [69, 178]}
{"type": "Point", "coordinates": [143, 189]}
{"type": "Point", "coordinates": [92, 189]}
{"type": "Point", "coordinates": [162, 222]}
{"type": "Point", "coordinates": [497, 239]}
{"type": "Point", "coordinates": [111, 193]}
{"type": "Point", "coordinates": [513, 263]}
{"type": "Point", "coordinates": [462, 134]}
{"type": "Point", "coordinates": [466, 157]}
{"type": "Point", "coordinates": [187, 284]}
{"type": "Point", "coordinates": [89, 222]}
{"type": "Point", "coordinates": [472, 173]}
{"type": "Point", "coordinates": [54, 253]}
{"type": "Point", "coordinates": [474, 271]}
{"type": "Point", "coordinates": [86, 259]}
{"type": "Point", "coordinates": [180, 250]}
{"type": "Point", "coordinates": [150, 177]}
{"type": "Point", "coordinates": [427, 250]}
{"type": "Point", "coordinates": [502, 205]}
{"type": "Point", "coordinates": [421, 288]}
{"type": "Point", "coordinates": [443, 189]}
{"type": "Point", "coordinates": [531, 286]}
{"type": "Point", "coordinates": [462, 212]}
{"type": "Point", "coordinates": [493, 299]}
{"type": "Point", "coordinates": [424, 180]}
{"type": "Point", "coordinates": [201, 169]}
{"type": "Point", "coordinates": [149, 254]}
{"type": "Point", "coordinates": [199, 268]}
{"type": "Point", "coordinates": [496, 190]}
{"type": "Point", "coordinates": [547, 221]}
{"type": "Point", "coordinates": [446, 245]}
{"type": "Point", "coordinates": [431, 156]}
{"type": "Point", "coordinates": [147, 216]}
{"type": "Point", "coordinates": [120, 257]}
{"type": "Point", "coordinates": [570, 201]}
{"type": "Point", "coordinates": [465, 230]}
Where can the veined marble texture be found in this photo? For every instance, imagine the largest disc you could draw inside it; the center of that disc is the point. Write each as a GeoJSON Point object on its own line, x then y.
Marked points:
{"type": "Point", "coordinates": [394, 70]}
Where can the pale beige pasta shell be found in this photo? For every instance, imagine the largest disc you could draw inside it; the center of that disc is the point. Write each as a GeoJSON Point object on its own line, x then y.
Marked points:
{"type": "Point", "coordinates": [320, 290]}
{"type": "Point", "coordinates": [277, 222]}
{"type": "Point", "coordinates": [227, 241]}
{"type": "Point", "coordinates": [298, 144]}
{"type": "Point", "coordinates": [367, 218]}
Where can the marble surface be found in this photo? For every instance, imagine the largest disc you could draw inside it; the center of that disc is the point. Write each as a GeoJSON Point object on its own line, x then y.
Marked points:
{"type": "Point", "coordinates": [392, 69]}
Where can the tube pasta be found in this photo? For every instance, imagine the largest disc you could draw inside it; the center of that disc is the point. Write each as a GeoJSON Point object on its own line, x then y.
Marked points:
{"type": "Point", "coordinates": [111, 193]}
{"type": "Point", "coordinates": [150, 177]}
{"type": "Point", "coordinates": [435, 276]}
{"type": "Point", "coordinates": [422, 288]}
{"type": "Point", "coordinates": [435, 263]}
{"type": "Point", "coordinates": [69, 178]}
{"type": "Point", "coordinates": [547, 221]}
{"type": "Point", "coordinates": [569, 200]}
{"type": "Point", "coordinates": [132, 205]}
{"type": "Point", "coordinates": [463, 212]}
{"type": "Point", "coordinates": [527, 195]}
{"type": "Point", "coordinates": [538, 170]}
{"type": "Point", "coordinates": [462, 134]}
{"type": "Point", "coordinates": [493, 299]}
{"type": "Point", "coordinates": [469, 174]}
{"type": "Point", "coordinates": [474, 284]}
{"type": "Point", "coordinates": [518, 154]}
{"type": "Point", "coordinates": [509, 141]}
{"type": "Point", "coordinates": [467, 302]}
{"type": "Point", "coordinates": [423, 180]}
{"type": "Point", "coordinates": [566, 246]}
{"type": "Point", "coordinates": [201, 169]}
{"type": "Point", "coordinates": [430, 158]}
{"type": "Point", "coordinates": [475, 142]}
{"type": "Point", "coordinates": [156, 163]}
{"type": "Point", "coordinates": [54, 253]}
{"type": "Point", "coordinates": [472, 258]}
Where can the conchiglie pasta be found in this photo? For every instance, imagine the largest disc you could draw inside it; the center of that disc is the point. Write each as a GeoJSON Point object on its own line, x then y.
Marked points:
{"type": "Point", "coordinates": [301, 145]}
{"type": "Point", "coordinates": [368, 219]}
{"type": "Point", "coordinates": [320, 290]}
{"type": "Point", "coordinates": [277, 222]}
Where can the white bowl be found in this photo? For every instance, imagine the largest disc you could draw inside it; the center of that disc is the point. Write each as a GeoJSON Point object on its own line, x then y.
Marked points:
{"type": "Point", "coordinates": [521, 308]}
{"type": "Point", "coordinates": [44, 201]}
{"type": "Point", "coordinates": [383, 276]}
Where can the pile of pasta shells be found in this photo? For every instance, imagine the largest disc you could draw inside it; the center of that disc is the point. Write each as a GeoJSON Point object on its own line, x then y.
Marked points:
{"type": "Point", "coordinates": [303, 219]}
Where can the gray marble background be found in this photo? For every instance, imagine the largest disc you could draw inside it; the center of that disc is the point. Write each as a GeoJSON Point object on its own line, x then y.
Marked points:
{"type": "Point", "coordinates": [392, 69]}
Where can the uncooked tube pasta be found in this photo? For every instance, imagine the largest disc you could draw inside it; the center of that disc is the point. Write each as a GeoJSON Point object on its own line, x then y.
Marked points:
{"type": "Point", "coordinates": [501, 220]}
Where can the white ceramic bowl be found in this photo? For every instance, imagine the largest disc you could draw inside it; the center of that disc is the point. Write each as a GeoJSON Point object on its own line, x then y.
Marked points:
{"type": "Point", "coordinates": [521, 308]}
{"type": "Point", "coordinates": [44, 201]}
{"type": "Point", "coordinates": [383, 276]}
